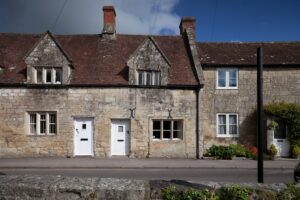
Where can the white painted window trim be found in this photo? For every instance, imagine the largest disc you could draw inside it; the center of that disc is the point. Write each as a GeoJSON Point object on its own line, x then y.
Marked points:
{"type": "Point", "coordinates": [227, 87]}
{"type": "Point", "coordinates": [44, 75]}
{"type": "Point", "coordinates": [171, 130]}
{"type": "Point", "coordinates": [153, 73]}
{"type": "Point", "coordinates": [38, 117]}
{"type": "Point", "coordinates": [227, 135]}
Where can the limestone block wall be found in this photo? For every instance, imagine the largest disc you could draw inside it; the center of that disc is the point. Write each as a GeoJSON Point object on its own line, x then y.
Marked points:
{"type": "Point", "coordinates": [103, 104]}
{"type": "Point", "coordinates": [280, 84]}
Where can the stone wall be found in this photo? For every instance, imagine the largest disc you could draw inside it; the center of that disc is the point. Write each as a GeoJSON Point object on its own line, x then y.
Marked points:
{"type": "Point", "coordinates": [62, 187]}
{"type": "Point", "coordinates": [280, 84]}
{"type": "Point", "coordinates": [103, 105]}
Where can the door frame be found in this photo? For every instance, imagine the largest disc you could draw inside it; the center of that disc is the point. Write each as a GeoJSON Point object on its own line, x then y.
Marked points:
{"type": "Point", "coordinates": [92, 135]}
{"type": "Point", "coordinates": [129, 136]}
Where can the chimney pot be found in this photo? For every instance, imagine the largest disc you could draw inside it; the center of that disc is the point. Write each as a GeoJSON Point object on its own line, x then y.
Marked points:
{"type": "Point", "coordinates": [109, 22]}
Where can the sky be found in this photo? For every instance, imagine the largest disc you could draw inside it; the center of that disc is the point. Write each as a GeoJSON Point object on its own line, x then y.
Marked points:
{"type": "Point", "coordinates": [216, 20]}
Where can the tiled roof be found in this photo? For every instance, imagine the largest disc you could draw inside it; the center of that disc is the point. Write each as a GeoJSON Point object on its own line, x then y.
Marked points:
{"type": "Point", "coordinates": [95, 60]}
{"type": "Point", "coordinates": [275, 53]}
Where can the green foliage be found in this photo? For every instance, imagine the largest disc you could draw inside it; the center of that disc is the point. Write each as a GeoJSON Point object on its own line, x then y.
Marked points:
{"type": "Point", "coordinates": [192, 194]}
{"type": "Point", "coordinates": [295, 150]}
{"type": "Point", "coordinates": [235, 192]}
{"type": "Point", "coordinates": [292, 192]}
{"type": "Point", "coordinates": [273, 150]}
{"type": "Point", "coordinates": [227, 152]}
{"type": "Point", "coordinates": [290, 113]}
{"type": "Point", "coordinates": [169, 193]}
{"type": "Point", "coordinates": [273, 125]}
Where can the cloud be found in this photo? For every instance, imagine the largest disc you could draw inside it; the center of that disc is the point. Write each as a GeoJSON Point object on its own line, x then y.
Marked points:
{"type": "Point", "coordinates": [86, 17]}
{"type": "Point", "coordinates": [146, 16]}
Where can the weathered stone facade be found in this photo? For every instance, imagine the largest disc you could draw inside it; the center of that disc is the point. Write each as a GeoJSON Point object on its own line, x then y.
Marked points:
{"type": "Point", "coordinates": [102, 105]}
{"type": "Point", "coordinates": [280, 85]}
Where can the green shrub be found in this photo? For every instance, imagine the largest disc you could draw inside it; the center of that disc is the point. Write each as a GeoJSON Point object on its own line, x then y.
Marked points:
{"type": "Point", "coordinates": [227, 152]}
{"type": "Point", "coordinates": [295, 150]}
{"type": "Point", "coordinates": [292, 192]}
{"type": "Point", "coordinates": [273, 150]}
{"type": "Point", "coordinates": [169, 193]}
{"type": "Point", "coordinates": [235, 192]}
{"type": "Point", "coordinates": [220, 152]}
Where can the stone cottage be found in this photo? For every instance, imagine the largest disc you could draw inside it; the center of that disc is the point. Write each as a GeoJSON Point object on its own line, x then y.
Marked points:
{"type": "Point", "coordinates": [134, 95]}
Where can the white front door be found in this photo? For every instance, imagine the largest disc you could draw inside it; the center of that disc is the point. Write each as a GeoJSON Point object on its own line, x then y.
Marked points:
{"type": "Point", "coordinates": [120, 137]}
{"type": "Point", "coordinates": [83, 137]}
{"type": "Point", "coordinates": [281, 141]}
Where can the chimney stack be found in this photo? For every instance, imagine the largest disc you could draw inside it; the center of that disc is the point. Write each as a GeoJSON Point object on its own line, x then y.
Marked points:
{"type": "Point", "coordinates": [188, 26]}
{"type": "Point", "coordinates": [109, 22]}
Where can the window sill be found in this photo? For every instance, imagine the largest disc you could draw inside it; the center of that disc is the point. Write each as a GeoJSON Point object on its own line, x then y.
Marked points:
{"type": "Point", "coordinates": [40, 135]}
{"type": "Point", "coordinates": [167, 140]}
{"type": "Point", "coordinates": [227, 88]}
{"type": "Point", "coordinates": [228, 136]}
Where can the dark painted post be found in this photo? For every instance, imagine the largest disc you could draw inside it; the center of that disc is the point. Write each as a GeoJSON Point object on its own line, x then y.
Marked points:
{"type": "Point", "coordinates": [260, 116]}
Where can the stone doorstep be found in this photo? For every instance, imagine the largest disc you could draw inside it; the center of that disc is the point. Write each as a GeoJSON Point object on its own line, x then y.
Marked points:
{"type": "Point", "coordinates": [61, 187]}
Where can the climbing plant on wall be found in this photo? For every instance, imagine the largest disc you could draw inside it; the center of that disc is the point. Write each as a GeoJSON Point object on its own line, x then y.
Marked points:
{"type": "Point", "coordinates": [290, 113]}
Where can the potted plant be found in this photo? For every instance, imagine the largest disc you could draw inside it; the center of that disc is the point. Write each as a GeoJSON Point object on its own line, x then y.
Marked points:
{"type": "Point", "coordinates": [296, 151]}
{"type": "Point", "coordinates": [273, 151]}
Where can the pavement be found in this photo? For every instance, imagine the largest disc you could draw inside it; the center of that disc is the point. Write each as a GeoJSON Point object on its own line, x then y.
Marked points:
{"type": "Point", "coordinates": [149, 163]}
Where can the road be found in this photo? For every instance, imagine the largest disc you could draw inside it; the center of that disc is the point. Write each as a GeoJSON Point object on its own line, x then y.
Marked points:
{"type": "Point", "coordinates": [221, 175]}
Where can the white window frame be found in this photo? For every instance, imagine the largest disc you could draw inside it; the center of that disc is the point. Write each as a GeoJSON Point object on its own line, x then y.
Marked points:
{"type": "Point", "coordinates": [227, 135]}
{"type": "Point", "coordinates": [44, 75]}
{"type": "Point", "coordinates": [227, 78]}
{"type": "Point", "coordinates": [171, 130]}
{"type": "Point", "coordinates": [154, 75]}
{"type": "Point", "coordinates": [38, 123]}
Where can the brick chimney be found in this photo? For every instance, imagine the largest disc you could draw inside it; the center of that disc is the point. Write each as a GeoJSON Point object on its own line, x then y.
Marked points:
{"type": "Point", "coordinates": [109, 22]}
{"type": "Point", "coordinates": [188, 23]}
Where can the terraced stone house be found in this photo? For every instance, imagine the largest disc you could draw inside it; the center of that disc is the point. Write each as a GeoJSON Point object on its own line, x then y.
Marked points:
{"type": "Point", "coordinates": [112, 94]}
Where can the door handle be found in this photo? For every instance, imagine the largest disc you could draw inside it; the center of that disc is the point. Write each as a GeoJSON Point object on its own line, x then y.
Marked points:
{"type": "Point", "coordinates": [120, 140]}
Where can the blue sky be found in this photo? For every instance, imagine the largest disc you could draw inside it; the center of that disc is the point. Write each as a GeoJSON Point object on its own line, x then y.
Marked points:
{"type": "Point", "coordinates": [217, 20]}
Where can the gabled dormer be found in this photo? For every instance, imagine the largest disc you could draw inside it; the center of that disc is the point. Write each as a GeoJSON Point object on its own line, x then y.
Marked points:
{"type": "Point", "coordinates": [47, 62]}
{"type": "Point", "coordinates": [148, 65]}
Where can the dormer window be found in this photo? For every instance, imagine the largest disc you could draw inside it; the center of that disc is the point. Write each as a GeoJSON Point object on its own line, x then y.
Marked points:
{"type": "Point", "coordinates": [48, 75]}
{"type": "Point", "coordinates": [148, 77]}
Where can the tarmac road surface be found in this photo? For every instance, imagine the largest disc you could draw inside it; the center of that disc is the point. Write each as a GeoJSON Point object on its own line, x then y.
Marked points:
{"type": "Point", "coordinates": [189, 174]}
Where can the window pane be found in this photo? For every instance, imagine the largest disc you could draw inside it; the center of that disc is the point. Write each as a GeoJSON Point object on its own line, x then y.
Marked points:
{"type": "Point", "coordinates": [48, 76]}
{"type": "Point", "coordinates": [222, 129]}
{"type": "Point", "coordinates": [167, 125]}
{"type": "Point", "coordinates": [156, 134]}
{"type": "Point", "coordinates": [156, 78]}
{"type": "Point", "coordinates": [221, 78]}
{"type": "Point", "coordinates": [232, 129]}
{"type": "Point", "coordinates": [156, 125]}
{"type": "Point", "coordinates": [222, 119]}
{"type": "Point", "coordinates": [42, 123]}
{"type": "Point", "coordinates": [177, 134]}
{"type": "Point", "coordinates": [232, 78]}
{"type": "Point", "coordinates": [39, 75]}
{"type": "Point", "coordinates": [58, 75]}
{"type": "Point", "coordinates": [280, 131]}
{"type": "Point", "coordinates": [232, 119]}
{"type": "Point", "coordinates": [141, 78]}
{"type": "Point", "coordinates": [175, 125]}
{"type": "Point", "coordinates": [52, 123]}
{"type": "Point", "coordinates": [166, 134]}
{"type": "Point", "coordinates": [148, 78]}
{"type": "Point", "coordinates": [32, 123]}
